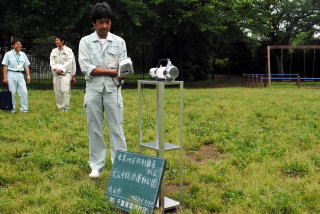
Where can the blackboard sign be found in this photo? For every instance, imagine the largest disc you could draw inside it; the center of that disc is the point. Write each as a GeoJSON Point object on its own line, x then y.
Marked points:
{"type": "Point", "coordinates": [135, 181]}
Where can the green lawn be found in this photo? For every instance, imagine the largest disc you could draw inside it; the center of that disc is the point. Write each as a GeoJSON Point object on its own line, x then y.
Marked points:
{"type": "Point", "coordinates": [246, 151]}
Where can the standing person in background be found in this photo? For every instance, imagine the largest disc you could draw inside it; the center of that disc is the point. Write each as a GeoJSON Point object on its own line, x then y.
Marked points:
{"type": "Point", "coordinates": [1, 55]}
{"type": "Point", "coordinates": [99, 54]}
{"type": "Point", "coordinates": [1, 75]}
{"type": "Point", "coordinates": [15, 62]}
{"type": "Point", "coordinates": [63, 66]}
{"type": "Point", "coordinates": [74, 72]}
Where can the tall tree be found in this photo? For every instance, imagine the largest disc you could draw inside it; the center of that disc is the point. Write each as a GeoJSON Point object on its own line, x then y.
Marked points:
{"type": "Point", "coordinates": [185, 31]}
{"type": "Point", "coordinates": [278, 21]}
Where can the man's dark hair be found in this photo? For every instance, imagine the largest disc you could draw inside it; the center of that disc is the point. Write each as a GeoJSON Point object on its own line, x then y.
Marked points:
{"type": "Point", "coordinates": [62, 37]}
{"type": "Point", "coordinates": [15, 41]}
{"type": "Point", "coordinates": [100, 11]}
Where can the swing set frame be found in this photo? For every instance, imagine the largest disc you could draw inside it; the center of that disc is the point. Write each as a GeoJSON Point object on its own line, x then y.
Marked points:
{"type": "Point", "coordinates": [270, 47]}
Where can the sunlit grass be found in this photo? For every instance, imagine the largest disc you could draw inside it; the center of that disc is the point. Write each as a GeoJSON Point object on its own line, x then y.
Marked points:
{"type": "Point", "coordinates": [265, 158]}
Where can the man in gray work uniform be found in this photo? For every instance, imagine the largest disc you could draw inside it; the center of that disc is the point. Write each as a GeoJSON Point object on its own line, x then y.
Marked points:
{"type": "Point", "coordinates": [99, 54]}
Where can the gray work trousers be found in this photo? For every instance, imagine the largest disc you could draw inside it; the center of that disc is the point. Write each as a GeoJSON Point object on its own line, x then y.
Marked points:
{"type": "Point", "coordinates": [16, 83]}
{"type": "Point", "coordinates": [62, 90]}
{"type": "Point", "coordinates": [96, 104]}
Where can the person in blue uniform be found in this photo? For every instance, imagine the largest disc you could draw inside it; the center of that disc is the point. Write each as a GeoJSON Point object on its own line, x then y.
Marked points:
{"type": "Point", "coordinates": [15, 63]}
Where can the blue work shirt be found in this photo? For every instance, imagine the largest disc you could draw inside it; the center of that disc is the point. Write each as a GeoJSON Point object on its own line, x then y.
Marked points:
{"type": "Point", "coordinates": [93, 54]}
{"type": "Point", "coordinates": [15, 61]}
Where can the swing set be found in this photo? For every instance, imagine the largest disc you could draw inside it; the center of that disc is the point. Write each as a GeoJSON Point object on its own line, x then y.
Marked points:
{"type": "Point", "coordinates": [291, 76]}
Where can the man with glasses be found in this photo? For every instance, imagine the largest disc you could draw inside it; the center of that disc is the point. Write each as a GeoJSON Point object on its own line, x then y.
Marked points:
{"type": "Point", "coordinates": [15, 62]}
{"type": "Point", "coordinates": [99, 55]}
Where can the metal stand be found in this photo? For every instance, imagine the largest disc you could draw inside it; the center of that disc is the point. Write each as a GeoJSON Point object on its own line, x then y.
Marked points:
{"type": "Point", "coordinates": [159, 145]}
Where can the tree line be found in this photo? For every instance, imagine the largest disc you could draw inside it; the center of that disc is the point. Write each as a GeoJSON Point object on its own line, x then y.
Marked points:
{"type": "Point", "coordinates": [201, 37]}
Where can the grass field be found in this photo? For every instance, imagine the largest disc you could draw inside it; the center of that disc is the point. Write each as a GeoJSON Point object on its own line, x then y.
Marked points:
{"type": "Point", "coordinates": [246, 151]}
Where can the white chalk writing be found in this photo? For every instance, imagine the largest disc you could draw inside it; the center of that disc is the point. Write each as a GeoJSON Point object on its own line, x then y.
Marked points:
{"type": "Point", "coordinates": [144, 162]}
{"type": "Point", "coordinates": [114, 190]}
{"type": "Point", "coordinates": [135, 177]}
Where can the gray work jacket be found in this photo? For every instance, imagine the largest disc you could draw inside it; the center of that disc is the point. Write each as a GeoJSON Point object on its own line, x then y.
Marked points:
{"type": "Point", "coordinates": [93, 54]}
{"type": "Point", "coordinates": [62, 59]}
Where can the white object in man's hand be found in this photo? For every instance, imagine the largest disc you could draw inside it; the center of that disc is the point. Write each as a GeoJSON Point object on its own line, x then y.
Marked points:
{"type": "Point", "coordinates": [125, 67]}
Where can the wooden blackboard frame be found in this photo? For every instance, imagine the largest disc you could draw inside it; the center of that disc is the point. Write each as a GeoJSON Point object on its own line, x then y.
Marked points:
{"type": "Point", "coordinates": [135, 181]}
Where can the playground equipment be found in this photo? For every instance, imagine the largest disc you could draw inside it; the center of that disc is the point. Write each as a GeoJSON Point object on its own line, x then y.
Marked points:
{"type": "Point", "coordinates": [261, 80]}
{"type": "Point", "coordinates": [290, 49]}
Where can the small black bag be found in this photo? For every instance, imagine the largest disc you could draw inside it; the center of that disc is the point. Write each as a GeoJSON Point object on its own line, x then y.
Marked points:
{"type": "Point", "coordinates": [5, 98]}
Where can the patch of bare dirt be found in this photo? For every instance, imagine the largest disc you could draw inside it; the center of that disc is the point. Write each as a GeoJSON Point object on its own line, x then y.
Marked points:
{"type": "Point", "coordinates": [311, 87]}
{"type": "Point", "coordinates": [219, 81]}
{"type": "Point", "coordinates": [169, 187]}
{"type": "Point", "coordinates": [206, 152]}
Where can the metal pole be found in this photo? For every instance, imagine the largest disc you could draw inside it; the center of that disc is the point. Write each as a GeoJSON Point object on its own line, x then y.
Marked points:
{"type": "Point", "coordinates": [143, 62]}
{"type": "Point", "coordinates": [181, 151]}
{"type": "Point", "coordinates": [160, 133]}
{"type": "Point", "coordinates": [139, 117]}
{"type": "Point", "coordinates": [269, 66]}
{"type": "Point", "coordinates": [304, 62]}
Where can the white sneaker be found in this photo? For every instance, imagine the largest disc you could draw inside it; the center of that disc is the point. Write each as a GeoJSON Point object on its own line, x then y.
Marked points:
{"type": "Point", "coordinates": [94, 173]}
